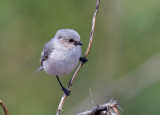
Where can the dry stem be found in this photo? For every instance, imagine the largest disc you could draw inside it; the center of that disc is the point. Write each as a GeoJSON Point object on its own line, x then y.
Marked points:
{"type": "Point", "coordinates": [4, 108]}
{"type": "Point", "coordinates": [110, 108]}
{"type": "Point", "coordinates": [81, 64]}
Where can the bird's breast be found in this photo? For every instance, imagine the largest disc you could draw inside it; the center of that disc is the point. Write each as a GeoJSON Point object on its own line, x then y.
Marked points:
{"type": "Point", "coordinates": [62, 62]}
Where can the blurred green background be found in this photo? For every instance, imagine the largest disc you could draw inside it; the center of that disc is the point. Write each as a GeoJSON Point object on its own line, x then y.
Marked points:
{"type": "Point", "coordinates": [124, 62]}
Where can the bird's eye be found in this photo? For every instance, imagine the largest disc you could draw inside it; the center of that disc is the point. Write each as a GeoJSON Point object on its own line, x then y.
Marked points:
{"type": "Point", "coordinates": [71, 40]}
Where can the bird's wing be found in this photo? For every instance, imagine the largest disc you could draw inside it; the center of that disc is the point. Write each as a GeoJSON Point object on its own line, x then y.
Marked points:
{"type": "Point", "coordinates": [48, 49]}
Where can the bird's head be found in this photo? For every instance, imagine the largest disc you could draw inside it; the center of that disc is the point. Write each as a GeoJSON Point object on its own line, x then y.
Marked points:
{"type": "Point", "coordinates": [68, 38]}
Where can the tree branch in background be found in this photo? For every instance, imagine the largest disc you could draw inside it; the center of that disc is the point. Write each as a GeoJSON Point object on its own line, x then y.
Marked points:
{"type": "Point", "coordinates": [4, 108]}
{"type": "Point", "coordinates": [110, 108]}
{"type": "Point", "coordinates": [81, 64]}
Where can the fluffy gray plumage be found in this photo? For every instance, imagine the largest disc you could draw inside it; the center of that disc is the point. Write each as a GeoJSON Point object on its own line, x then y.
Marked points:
{"type": "Point", "coordinates": [61, 54]}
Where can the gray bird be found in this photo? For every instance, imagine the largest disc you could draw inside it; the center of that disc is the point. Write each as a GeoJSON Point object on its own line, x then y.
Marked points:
{"type": "Point", "coordinates": [61, 54]}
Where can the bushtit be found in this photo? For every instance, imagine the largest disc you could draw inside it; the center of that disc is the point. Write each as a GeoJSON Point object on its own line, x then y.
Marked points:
{"type": "Point", "coordinates": [61, 54]}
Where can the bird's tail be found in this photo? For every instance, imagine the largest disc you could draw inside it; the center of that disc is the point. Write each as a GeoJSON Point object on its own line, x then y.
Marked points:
{"type": "Point", "coordinates": [39, 69]}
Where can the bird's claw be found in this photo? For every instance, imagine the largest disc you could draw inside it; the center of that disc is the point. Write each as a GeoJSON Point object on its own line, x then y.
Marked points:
{"type": "Point", "coordinates": [83, 59]}
{"type": "Point", "coordinates": [66, 91]}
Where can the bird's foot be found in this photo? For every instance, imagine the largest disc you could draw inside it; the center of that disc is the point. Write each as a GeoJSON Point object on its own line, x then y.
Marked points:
{"type": "Point", "coordinates": [83, 59]}
{"type": "Point", "coordinates": [66, 91]}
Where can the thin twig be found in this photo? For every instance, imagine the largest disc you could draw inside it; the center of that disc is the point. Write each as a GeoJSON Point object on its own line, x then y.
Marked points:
{"type": "Point", "coordinates": [110, 108]}
{"type": "Point", "coordinates": [91, 98]}
{"type": "Point", "coordinates": [4, 108]}
{"type": "Point", "coordinates": [81, 64]}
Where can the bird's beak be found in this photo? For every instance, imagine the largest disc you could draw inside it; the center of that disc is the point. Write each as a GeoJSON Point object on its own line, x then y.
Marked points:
{"type": "Point", "coordinates": [78, 43]}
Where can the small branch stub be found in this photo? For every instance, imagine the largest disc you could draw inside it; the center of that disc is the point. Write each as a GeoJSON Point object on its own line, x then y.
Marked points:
{"type": "Point", "coordinates": [4, 108]}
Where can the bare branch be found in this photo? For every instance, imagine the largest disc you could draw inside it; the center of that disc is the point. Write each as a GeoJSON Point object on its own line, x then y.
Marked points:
{"type": "Point", "coordinates": [81, 64]}
{"type": "Point", "coordinates": [4, 108]}
{"type": "Point", "coordinates": [110, 108]}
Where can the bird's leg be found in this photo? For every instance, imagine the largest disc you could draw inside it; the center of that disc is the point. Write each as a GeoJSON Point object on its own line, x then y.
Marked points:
{"type": "Point", "coordinates": [83, 59]}
{"type": "Point", "coordinates": [66, 91]}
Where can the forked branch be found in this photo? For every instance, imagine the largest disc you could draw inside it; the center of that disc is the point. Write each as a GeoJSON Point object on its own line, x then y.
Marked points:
{"type": "Point", "coordinates": [81, 64]}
